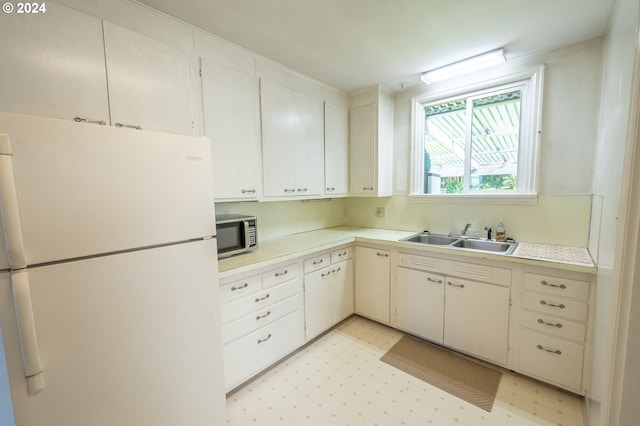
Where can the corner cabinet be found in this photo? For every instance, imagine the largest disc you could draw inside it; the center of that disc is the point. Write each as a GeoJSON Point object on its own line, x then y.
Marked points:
{"type": "Point", "coordinates": [372, 271]}
{"type": "Point", "coordinates": [371, 143]}
{"type": "Point", "coordinates": [232, 123]}
{"type": "Point", "coordinates": [292, 142]}
{"type": "Point", "coordinates": [328, 290]}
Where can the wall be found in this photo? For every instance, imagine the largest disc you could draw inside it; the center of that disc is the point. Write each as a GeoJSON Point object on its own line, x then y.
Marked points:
{"type": "Point", "coordinates": [567, 149]}
{"type": "Point", "coordinates": [279, 218]}
{"type": "Point", "coordinates": [615, 149]}
{"type": "Point", "coordinates": [560, 220]}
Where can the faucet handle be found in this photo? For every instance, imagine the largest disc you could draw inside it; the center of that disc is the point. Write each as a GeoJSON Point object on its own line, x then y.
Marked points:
{"type": "Point", "coordinates": [488, 229]}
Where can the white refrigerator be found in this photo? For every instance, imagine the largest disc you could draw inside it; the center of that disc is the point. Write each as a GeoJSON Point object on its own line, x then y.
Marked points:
{"type": "Point", "coordinates": [109, 308]}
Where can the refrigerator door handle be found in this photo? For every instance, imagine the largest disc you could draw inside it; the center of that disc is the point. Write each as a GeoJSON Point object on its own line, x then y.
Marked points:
{"type": "Point", "coordinates": [27, 331]}
{"type": "Point", "coordinates": [9, 210]}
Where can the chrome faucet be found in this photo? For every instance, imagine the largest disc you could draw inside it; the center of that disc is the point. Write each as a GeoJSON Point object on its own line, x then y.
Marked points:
{"type": "Point", "coordinates": [466, 228]}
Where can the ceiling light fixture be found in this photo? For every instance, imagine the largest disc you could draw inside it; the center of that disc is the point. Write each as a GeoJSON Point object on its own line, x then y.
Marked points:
{"type": "Point", "coordinates": [486, 60]}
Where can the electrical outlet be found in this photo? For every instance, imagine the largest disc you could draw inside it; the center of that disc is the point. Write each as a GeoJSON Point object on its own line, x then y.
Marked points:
{"type": "Point", "coordinates": [380, 211]}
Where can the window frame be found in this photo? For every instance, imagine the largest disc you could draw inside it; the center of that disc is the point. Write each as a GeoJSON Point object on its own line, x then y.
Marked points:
{"type": "Point", "coordinates": [530, 82]}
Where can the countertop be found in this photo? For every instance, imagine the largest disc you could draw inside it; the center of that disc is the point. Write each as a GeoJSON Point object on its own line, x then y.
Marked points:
{"type": "Point", "coordinates": [296, 245]}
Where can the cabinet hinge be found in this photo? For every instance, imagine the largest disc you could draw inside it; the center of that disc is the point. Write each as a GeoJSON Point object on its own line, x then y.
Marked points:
{"type": "Point", "coordinates": [510, 302]}
{"type": "Point", "coordinates": [200, 72]}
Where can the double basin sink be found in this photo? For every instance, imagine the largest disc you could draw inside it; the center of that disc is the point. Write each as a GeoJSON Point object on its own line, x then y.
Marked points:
{"type": "Point", "coordinates": [462, 243]}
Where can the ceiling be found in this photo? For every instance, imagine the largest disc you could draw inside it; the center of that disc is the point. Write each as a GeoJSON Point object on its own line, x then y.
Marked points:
{"type": "Point", "coordinates": [352, 44]}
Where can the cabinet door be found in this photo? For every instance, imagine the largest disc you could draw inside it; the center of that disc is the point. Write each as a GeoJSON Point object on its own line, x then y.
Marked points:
{"type": "Point", "coordinates": [336, 150]}
{"type": "Point", "coordinates": [419, 298]}
{"type": "Point", "coordinates": [150, 84]}
{"type": "Point", "coordinates": [362, 158]}
{"type": "Point", "coordinates": [328, 297]}
{"type": "Point", "coordinates": [372, 283]}
{"type": "Point", "coordinates": [53, 65]}
{"type": "Point", "coordinates": [309, 135]}
{"type": "Point", "coordinates": [231, 121]}
{"type": "Point", "coordinates": [476, 318]}
{"type": "Point", "coordinates": [278, 139]}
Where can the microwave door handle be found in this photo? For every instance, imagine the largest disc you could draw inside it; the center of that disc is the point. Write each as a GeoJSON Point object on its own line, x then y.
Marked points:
{"type": "Point", "coordinates": [245, 234]}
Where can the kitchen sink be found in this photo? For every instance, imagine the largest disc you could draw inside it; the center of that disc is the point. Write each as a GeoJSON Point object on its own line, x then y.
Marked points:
{"type": "Point", "coordinates": [485, 245]}
{"type": "Point", "coordinates": [457, 243]}
{"type": "Point", "coordinates": [434, 239]}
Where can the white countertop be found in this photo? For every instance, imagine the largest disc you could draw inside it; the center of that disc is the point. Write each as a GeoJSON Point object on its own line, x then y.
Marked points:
{"type": "Point", "coordinates": [293, 246]}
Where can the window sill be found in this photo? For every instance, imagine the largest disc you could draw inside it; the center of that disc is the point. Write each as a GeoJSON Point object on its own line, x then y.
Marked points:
{"type": "Point", "coordinates": [499, 199]}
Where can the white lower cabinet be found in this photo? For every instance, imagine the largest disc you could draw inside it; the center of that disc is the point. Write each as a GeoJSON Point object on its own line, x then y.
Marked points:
{"type": "Point", "coordinates": [419, 303]}
{"type": "Point", "coordinates": [262, 320]}
{"type": "Point", "coordinates": [328, 290]}
{"type": "Point", "coordinates": [553, 332]}
{"type": "Point", "coordinates": [372, 278]}
{"type": "Point", "coordinates": [476, 318]}
{"type": "Point", "coordinates": [430, 301]}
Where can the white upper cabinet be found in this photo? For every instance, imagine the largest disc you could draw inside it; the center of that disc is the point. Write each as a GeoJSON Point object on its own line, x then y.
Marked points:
{"type": "Point", "coordinates": [53, 65]}
{"type": "Point", "coordinates": [231, 121]}
{"type": "Point", "coordinates": [292, 142]}
{"type": "Point", "coordinates": [371, 143]}
{"type": "Point", "coordinates": [336, 150]}
{"type": "Point", "coordinates": [150, 84]}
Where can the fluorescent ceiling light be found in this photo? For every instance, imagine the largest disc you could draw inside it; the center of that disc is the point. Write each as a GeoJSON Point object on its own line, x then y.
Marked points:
{"type": "Point", "coordinates": [465, 66]}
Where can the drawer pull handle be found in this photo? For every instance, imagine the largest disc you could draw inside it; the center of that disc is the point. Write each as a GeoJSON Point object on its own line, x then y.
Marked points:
{"type": "Point", "coordinates": [337, 270]}
{"type": "Point", "coordinates": [302, 189]}
{"type": "Point", "coordinates": [280, 274]}
{"type": "Point", "coordinates": [260, 299]}
{"type": "Point", "coordinates": [382, 254]}
{"type": "Point", "coordinates": [259, 317]}
{"type": "Point", "coordinates": [431, 280]}
{"type": "Point", "coordinates": [553, 351]}
{"type": "Point", "coordinates": [248, 191]}
{"type": "Point", "coordinates": [367, 188]}
{"type": "Point", "coordinates": [265, 339]}
{"type": "Point", "coordinates": [289, 190]}
{"type": "Point", "coordinates": [331, 189]}
{"type": "Point", "coordinates": [455, 285]}
{"type": "Point", "coordinates": [317, 262]}
{"type": "Point", "coordinates": [344, 253]}
{"type": "Point", "coordinates": [561, 286]}
{"type": "Point", "coordinates": [541, 321]}
{"type": "Point", "coordinates": [245, 285]}
{"type": "Point", "coordinates": [326, 274]}
{"type": "Point", "coordinates": [561, 306]}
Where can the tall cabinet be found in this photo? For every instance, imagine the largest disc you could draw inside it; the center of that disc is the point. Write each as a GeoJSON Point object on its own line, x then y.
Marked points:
{"type": "Point", "coordinates": [371, 143]}
{"type": "Point", "coordinates": [292, 141]}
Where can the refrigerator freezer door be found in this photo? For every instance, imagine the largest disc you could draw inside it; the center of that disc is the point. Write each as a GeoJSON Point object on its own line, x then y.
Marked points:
{"type": "Point", "coordinates": [86, 190]}
{"type": "Point", "coordinates": [129, 339]}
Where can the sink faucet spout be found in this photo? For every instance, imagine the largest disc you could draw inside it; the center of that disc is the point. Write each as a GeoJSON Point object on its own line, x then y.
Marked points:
{"type": "Point", "coordinates": [466, 228]}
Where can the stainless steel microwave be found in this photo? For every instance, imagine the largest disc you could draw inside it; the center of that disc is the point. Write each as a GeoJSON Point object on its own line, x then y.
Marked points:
{"type": "Point", "coordinates": [236, 234]}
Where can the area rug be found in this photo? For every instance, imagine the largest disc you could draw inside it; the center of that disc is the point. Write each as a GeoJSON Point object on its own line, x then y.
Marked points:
{"type": "Point", "coordinates": [453, 373]}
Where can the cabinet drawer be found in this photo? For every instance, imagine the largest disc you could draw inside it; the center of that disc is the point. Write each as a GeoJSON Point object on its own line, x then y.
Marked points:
{"type": "Point", "coordinates": [557, 306]}
{"type": "Point", "coordinates": [259, 300]}
{"type": "Point", "coordinates": [246, 356]}
{"type": "Point", "coordinates": [240, 288]}
{"type": "Point", "coordinates": [279, 275]}
{"type": "Point", "coordinates": [255, 320]}
{"type": "Point", "coordinates": [552, 359]}
{"type": "Point", "coordinates": [317, 262]}
{"type": "Point", "coordinates": [559, 286]}
{"type": "Point", "coordinates": [342, 254]}
{"type": "Point", "coordinates": [553, 325]}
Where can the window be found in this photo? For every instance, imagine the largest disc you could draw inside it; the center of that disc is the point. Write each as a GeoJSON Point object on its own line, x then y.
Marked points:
{"type": "Point", "coordinates": [478, 144]}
